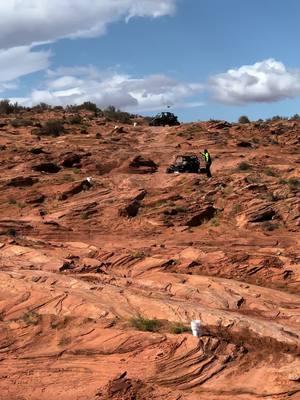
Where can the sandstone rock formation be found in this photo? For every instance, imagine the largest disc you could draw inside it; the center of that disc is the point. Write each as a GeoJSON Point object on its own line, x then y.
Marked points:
{"type": "Point", "coordinates": [99, 281]}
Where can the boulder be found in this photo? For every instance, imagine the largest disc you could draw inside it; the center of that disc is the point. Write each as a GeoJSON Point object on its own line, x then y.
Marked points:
{"type": "Point", "coordinates": [130, 210]}
{"type": "Point", "coordinates": [222, 125]}
{"type": "Point", "coordinates": [142, 165]}
{"type": "Point", "coordinates": [37, 151]}
{"type": "Point", "coordinates": [22, 181]}
{"type": "Point", "coordinates": [140, 195]}
{"type": "Point", "coordinates": [75, 189]}
{"type": "Point", "coordinates": [48, 167]}
{"type": "Point", "coordinates": [117, 129]}
{"type": "Point", "coordinates": [36, 198]}
{"type": "Point", "coordinates": [262, 214]}
{"type": "Point", "coordinates": [204, 214]}
{"type": "Point", "coordinates": [243, 143]}
{"type": "Point", "coordinates": [71, 160]}
{"type": "Point", "coordinates": [257, 211]}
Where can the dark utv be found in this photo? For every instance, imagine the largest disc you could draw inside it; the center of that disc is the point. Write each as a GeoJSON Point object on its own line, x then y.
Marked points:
{"type": "Point", "coordinates": [183, 164]}
{"type": "Point", "coordinates": [163, 119]}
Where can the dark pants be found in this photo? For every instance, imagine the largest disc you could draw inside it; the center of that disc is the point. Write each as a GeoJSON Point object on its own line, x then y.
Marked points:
{"type": "Point", "coordinates": [207, 169]}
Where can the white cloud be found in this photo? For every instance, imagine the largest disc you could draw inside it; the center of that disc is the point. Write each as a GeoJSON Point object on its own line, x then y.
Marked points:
{"type": "Point", "coordinates": [24, 22]}
{"type": "Point", "coordinates": [19, 61]}
{"type": "Point", "coordinates": [111, 88]}
{"type": "Point", "coordinates": [265, 81]}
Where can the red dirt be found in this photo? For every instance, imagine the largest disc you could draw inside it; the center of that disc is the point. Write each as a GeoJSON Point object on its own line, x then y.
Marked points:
{"type": "Point", "coordinates": [78, 262]}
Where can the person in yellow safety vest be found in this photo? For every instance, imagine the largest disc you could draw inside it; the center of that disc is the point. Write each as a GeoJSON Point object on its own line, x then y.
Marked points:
{"type": "Point", "coordinates": [207, 158]}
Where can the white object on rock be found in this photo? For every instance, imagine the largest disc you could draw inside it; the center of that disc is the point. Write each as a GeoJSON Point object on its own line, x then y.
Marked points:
{"type": "Point", "coordinates": [135, 124]}
{"type": "Point", "coordinates": [196, 327]}
{"type": "Point", "coordinates": [90, 180]}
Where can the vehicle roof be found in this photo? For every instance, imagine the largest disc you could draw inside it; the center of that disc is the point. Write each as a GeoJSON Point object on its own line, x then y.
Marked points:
{"type": "Point", "coordinates": [164, 113]}
{"type": "Point", "coordinates": [187, 155]}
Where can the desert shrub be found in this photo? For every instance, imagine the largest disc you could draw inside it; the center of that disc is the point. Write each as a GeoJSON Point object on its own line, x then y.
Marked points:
{"type": "Point", "coordinates": [178, 328]}
{"type": "Point", "coordinates": [283, 181]}
{"type": "Point", "coordinates": [113, 114]}
{"type": "Point", "coordinates": [236, 209]}
{"type": "Point", "coordinates": [295, 117]}
{"type": "Point", "coordinates": [52, 128]}
{"type": "Point", "coordinates": [138, 254]}
{"type": "Point", "coordinates": [21, 122]}
{"type": "Point", "coordinates": [244, 166]}
{"type": "Point", "coordinates": [89, 106]}
{"type": "Point", "coordinates": [31, 318]}
{"type": "Point", "coordinates": [271, 172]}
{"type": "Point", "coordinates": [6, 107]}
{"type": "Point", "coordinates": [278, 118]}
{"type": "Point", "coordinates": [215, 221]}
{"type": "Point", "coordinates": [65, 341]}
{"type": "Point", "coordinates": [244, 119]}
{"type": "Point", "coordinates": [72, 108]}
{"type": "Point", "coordinates": [144, 324]}
{"type": "Point", "coordinates": [294, 183]}
{"type": "Point", "coordinates": [75, 119]}
{"type": "Point", "coordinates": [84, 130]}
{"type": "Point", "coordinates": [41, 107]}
{"type": "Point", "coordinates": [60, 323]}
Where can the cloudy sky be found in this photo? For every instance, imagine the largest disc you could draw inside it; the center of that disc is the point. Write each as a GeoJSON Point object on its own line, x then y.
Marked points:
{"type": "Point", "coordinates": [203, 58]}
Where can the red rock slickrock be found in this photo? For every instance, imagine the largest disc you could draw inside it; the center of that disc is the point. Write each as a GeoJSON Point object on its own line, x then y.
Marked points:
{"type": "Point", "coordinates": [105, 259]}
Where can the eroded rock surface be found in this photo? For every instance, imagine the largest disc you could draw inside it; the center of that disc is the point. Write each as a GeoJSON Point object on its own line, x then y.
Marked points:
{"type": "Point", "coordinates": [100, 278]}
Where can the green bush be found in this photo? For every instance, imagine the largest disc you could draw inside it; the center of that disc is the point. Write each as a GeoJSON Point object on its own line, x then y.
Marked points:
{"type": "Point", "coordinates": [277, 118]}
{"type": "Point", "coordinates": [244, 166]}
{"type": "Point", "coordinates": [41, 107]}
{"type": "Point", "coordinates": [145, 325]}
{"type": "Point", "coordinates": [64, 341]}
{"type": "Point", "coordinates": [75, 119]}
{"type": "Point", "coordinates": [295, 117]}
{"type": "Point", "coordinates": [6, 107]}
{"type": "Point", "coordinates": [294, 183]}
{"type": "Point", "coordinates": [244, 119]}
{"type": "Point", "coordinates": [20, 122]}
{"type": "Point", "coordinates": [89, 106]}
{"type": "Point", "coordinates": [52, 128]}
{"type": "Point", "coordinates": [271, 172]}
{"type": "Point", "coordinates": [112, 114]}
{"type": "Point", "coordinates": [215, 221]}
{"type": "Point", "coordinates": [178, 328]}
{"type": "Point", "coordinates": [31, 318]}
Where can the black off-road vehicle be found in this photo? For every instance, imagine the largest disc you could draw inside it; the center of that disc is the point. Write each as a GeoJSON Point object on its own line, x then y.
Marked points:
{"type": "Point", "coordinates": [182, 164]}
{"type": "Point", "coordinates": [163, 119]}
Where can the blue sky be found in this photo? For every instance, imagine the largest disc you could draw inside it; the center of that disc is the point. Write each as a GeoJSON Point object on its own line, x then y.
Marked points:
{"type": "Point", "coordinates": [205, 58]}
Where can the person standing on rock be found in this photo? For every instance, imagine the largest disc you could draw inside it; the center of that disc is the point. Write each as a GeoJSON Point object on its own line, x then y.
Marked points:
{"type": "Point", "coordinates": [207, 158]}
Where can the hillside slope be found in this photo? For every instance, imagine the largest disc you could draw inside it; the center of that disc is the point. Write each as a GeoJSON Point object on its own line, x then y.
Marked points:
{"type": "Point", "coordinates": [81, 264]}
